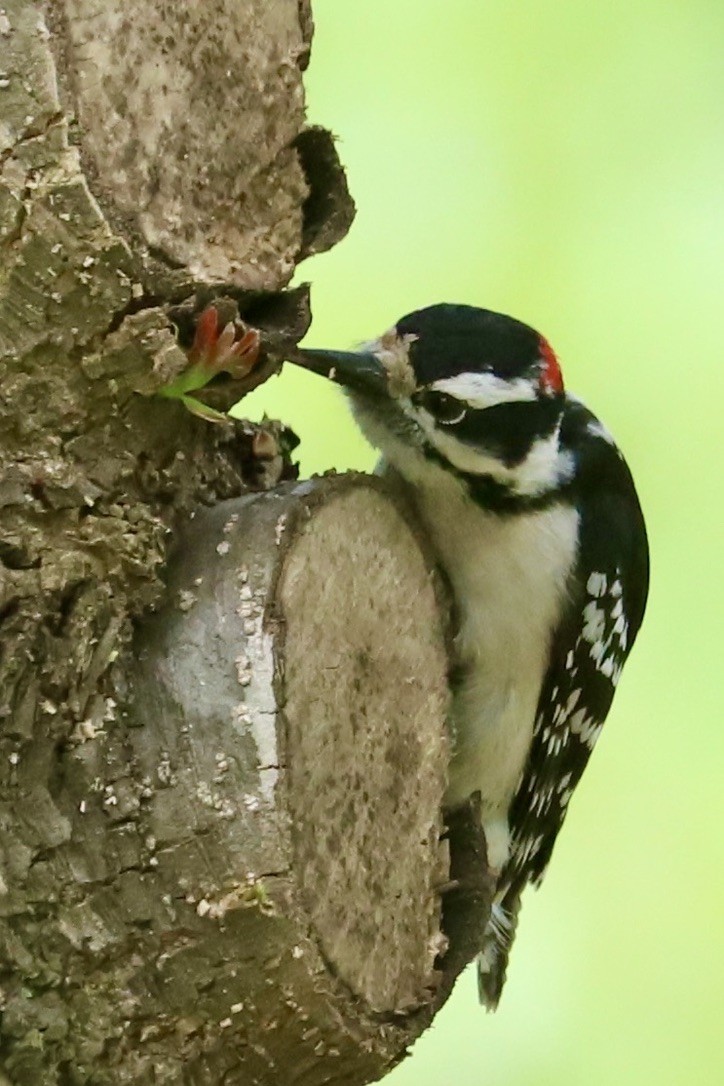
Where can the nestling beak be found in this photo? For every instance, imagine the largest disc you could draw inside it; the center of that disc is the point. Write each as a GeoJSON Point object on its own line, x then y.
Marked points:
{"type": "Point", "coordinates": [359, 371]}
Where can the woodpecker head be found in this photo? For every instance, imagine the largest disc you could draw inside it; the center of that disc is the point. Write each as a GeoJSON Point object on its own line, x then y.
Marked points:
{"type": "Point", "coordinates": [474, 391]}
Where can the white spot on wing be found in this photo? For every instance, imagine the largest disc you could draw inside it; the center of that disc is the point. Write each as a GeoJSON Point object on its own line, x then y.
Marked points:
{"type": "Point", "coordinates": [594, 619]}
{"type": "Point", "coordinates": [585, 727]}
{"type": "Point", "coordinates": [596, 585]}
{"type": "Point", "coordinates": [572, 701]}
{"type": "Point", "coordinates": [605, 626]}
{"type": "Point", "coordinates": [597, 429]}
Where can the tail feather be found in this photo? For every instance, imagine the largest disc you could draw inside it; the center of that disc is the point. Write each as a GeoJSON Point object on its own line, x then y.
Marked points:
{"type": "Point", "coordinates": [492, 961]}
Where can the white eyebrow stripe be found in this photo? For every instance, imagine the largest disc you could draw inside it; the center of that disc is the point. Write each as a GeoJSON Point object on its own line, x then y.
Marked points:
{"type": "Point", "coordinates": [486, 389]}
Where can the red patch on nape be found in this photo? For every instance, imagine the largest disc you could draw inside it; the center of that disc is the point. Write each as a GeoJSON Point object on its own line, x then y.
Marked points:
{"type": "Point", "coordinates": [551, 378]}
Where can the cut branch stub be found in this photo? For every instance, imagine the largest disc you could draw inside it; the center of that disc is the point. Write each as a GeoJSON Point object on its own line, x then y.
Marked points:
{"type": "Point", "coordinates": [290, 704]}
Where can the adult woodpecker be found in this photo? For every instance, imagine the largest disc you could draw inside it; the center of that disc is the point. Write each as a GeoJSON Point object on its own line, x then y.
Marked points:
{"type": "Point", "coordinates": [533, 513]}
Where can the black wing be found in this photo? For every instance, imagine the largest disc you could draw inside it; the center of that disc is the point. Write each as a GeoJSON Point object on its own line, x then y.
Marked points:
{"type": "Point", "coordinates": [601, 620]}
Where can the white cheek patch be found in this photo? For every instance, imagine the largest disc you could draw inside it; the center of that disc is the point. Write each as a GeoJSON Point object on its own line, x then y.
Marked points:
{"type": "Point", "coordinates": [544, 467]}
{"type": "Point", "coordinates": [479, 390]}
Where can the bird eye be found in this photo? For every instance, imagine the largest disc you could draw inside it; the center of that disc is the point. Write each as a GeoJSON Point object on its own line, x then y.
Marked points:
{"type": "Point", "coordinates": [445, 409]}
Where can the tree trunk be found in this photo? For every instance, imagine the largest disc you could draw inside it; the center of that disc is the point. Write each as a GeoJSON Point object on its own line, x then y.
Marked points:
{"type": "Point", "coordinates": [222, 748]}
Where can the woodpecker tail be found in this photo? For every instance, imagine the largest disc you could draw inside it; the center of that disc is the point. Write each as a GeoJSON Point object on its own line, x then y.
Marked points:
{"type": "Point", "coordinates": [492, 960]}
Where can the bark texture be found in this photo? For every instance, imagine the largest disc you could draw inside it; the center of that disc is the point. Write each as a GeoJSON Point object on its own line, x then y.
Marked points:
{"type": "Point", "coordinates": [219, 856]}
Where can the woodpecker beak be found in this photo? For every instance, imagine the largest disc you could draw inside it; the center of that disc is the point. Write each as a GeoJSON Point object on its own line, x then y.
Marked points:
{"type": "Point", "coordinates": [360, 371]}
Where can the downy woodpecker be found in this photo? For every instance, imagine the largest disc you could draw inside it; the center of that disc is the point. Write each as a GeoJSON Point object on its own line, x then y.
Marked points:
{"type": "Point", "coordinates": [533, 513]}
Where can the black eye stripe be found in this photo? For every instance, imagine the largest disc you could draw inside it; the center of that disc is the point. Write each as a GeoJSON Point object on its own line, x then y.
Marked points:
{"type": "Point", "coordinates": [445, 409]}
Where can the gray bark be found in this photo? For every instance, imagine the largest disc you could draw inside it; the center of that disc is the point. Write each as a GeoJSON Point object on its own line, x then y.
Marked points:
{"type": "Point", "coordinates": [220, 771]}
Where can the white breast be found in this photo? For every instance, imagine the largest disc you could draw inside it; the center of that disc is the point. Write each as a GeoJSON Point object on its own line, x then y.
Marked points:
{"type": "Point", "coordinates": [509, 576]}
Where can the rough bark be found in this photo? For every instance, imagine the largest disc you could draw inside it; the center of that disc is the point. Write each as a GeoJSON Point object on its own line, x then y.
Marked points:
{"type": "Point", "coordinates": [219, 856]}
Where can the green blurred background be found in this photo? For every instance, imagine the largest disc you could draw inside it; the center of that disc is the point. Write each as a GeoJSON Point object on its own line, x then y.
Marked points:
{"type": "Point", "coordinates": [564, 162]}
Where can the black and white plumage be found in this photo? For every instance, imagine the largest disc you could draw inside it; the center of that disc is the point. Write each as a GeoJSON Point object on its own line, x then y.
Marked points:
{"type": "Point", "coordinates": [534, 515]}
